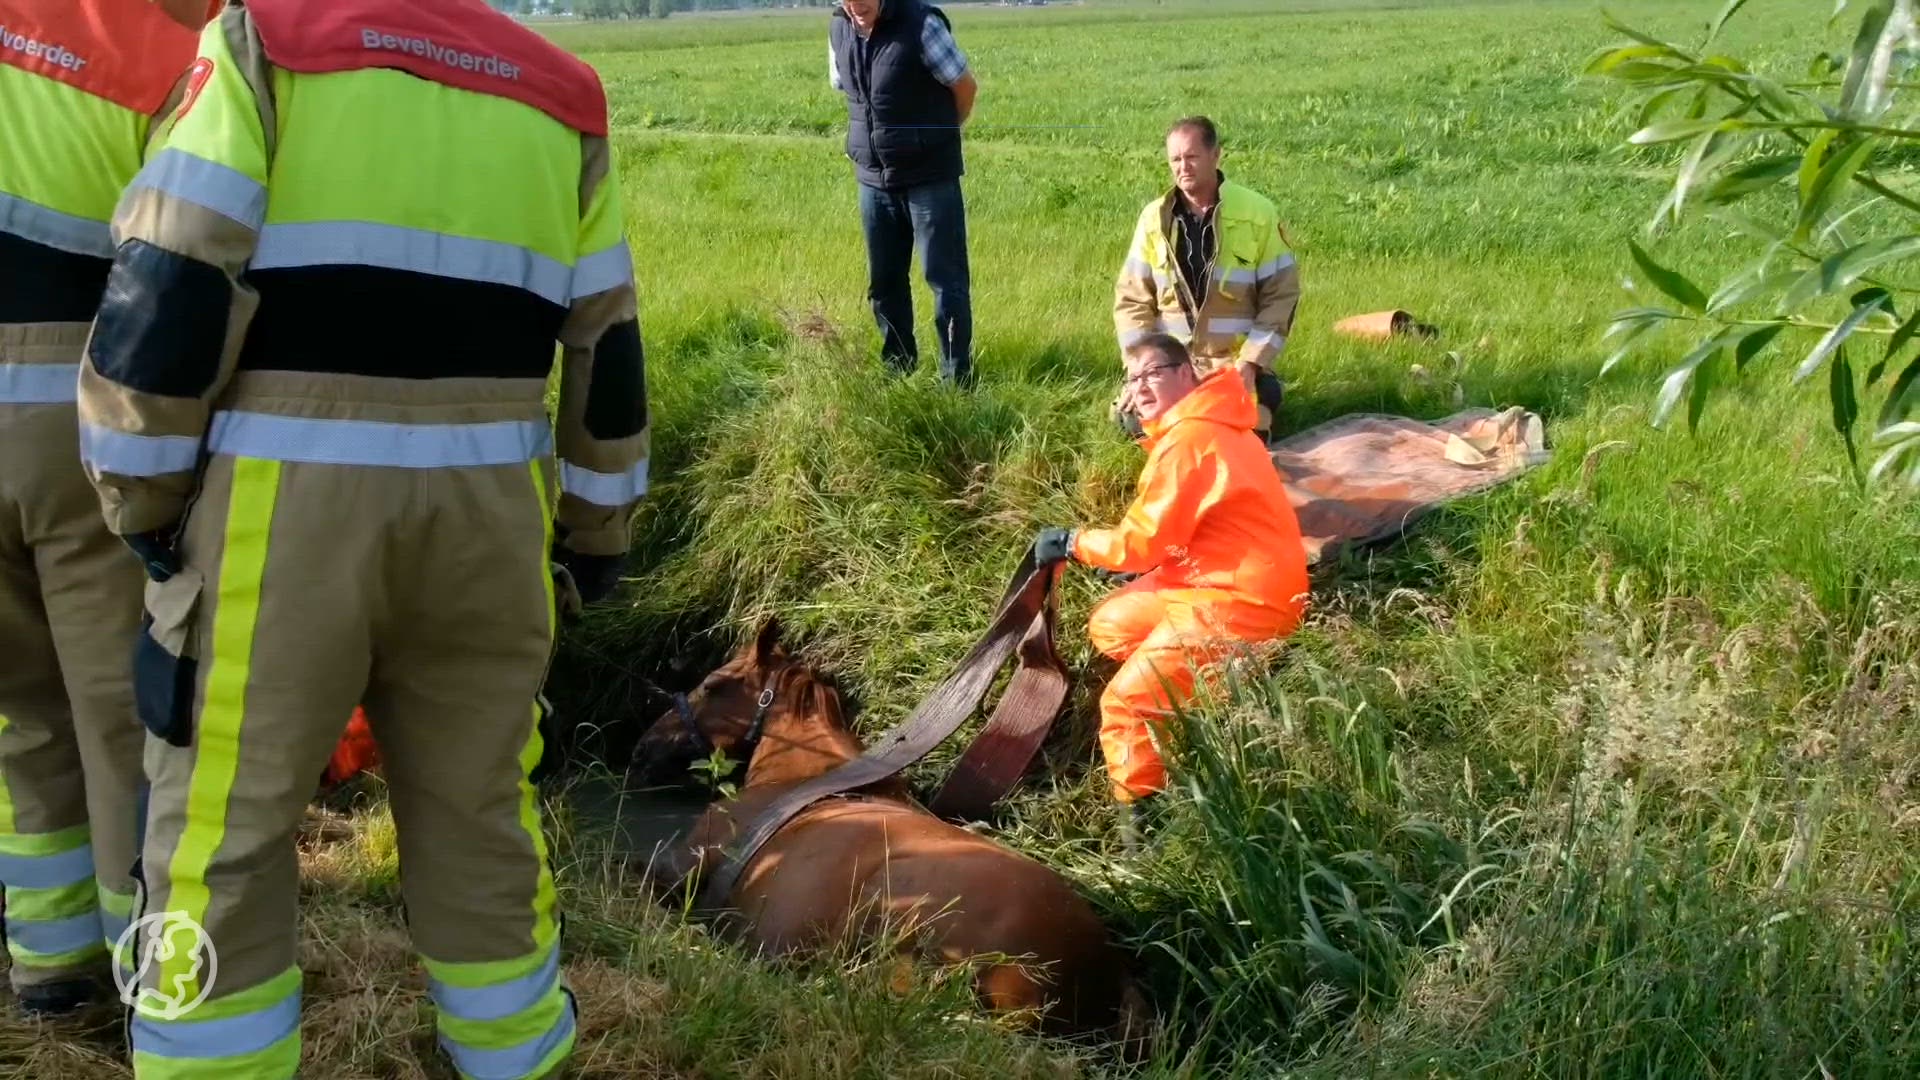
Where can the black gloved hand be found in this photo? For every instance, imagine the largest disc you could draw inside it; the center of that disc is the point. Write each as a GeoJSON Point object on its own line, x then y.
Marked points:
{"type": "Point", "coordinates": [594, 576]}
{"type": "Point", "coordinates": [156, 552]}
{"type": "Point", "coordinates": [1053, 544]}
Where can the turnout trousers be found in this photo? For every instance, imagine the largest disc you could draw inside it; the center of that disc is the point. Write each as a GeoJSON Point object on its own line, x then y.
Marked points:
{"type": "Point", "coordinates": [69, 739]}
{"type": "Point", "coordinates": [333, 560]}
{"type": "Point", "coordinates": [1163, 635]}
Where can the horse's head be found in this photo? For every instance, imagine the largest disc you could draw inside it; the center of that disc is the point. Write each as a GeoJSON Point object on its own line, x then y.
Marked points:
{"type": "Point", "coordinates": [729, 712]}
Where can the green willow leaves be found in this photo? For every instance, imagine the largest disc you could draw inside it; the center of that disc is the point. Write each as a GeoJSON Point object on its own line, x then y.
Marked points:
{"type": "Point", "coordinates": [1819, 167]}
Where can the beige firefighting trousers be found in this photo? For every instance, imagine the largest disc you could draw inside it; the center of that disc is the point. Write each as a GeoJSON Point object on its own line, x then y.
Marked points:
{"type": "Point", "coordinates": [69, 740]}
{"type": "Point", "coordinates": [314, 580]}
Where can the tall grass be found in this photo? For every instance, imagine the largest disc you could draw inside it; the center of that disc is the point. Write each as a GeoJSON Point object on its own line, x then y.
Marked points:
{"type": "Point", "coordinates": [1721, 882]}
{"type": "Point", "coordinates": [1293, 877]}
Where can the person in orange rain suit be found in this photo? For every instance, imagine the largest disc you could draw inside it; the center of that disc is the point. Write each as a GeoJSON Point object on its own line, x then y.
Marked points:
{"type": "Point", "coordinates": [1214, 539]}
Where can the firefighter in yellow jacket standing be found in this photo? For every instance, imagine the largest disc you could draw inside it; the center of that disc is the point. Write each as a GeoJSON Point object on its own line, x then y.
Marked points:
{"type": "Point", "coordinates": [314, 400]}
{"type": "Point", "coordinates": [1209, 266]}
{"type": "Point", "coordinates": [83, 86]}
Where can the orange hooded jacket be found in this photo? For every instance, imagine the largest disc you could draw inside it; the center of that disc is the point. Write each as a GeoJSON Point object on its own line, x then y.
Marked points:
{"type": "Point", "coordinates": [1211, 512]}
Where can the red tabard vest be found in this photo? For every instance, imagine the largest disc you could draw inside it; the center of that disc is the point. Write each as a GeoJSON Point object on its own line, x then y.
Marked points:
{"type": "Point", "coordinates": [126, 51]}
{"type": "Point", "coordinates": [459, 43]}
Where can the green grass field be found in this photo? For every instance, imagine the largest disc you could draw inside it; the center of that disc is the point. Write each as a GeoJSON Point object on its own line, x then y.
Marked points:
{"type": "Point", "coordinates": [1614, 771]}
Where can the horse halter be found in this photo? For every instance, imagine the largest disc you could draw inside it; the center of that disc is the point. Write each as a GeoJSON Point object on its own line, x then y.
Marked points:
{"type": "Point", "coordinates": [761, 708]}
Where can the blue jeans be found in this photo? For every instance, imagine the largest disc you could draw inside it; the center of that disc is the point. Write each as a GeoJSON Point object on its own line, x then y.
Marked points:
{"type": "Point", "coordinates": [935, 216]}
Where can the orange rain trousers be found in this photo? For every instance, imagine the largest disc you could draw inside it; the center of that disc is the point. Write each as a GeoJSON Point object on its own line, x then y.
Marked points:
{"type": "Point", "coordinates": [1162, 635]}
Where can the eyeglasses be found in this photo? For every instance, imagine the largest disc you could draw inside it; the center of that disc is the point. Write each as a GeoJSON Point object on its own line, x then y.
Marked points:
{"type": "Point", "coordinates": [1139, 378]}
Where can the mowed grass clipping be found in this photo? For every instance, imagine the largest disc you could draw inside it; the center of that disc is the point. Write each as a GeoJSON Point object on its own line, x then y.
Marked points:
{"type": "Point", "coordinates": [1612, 771]}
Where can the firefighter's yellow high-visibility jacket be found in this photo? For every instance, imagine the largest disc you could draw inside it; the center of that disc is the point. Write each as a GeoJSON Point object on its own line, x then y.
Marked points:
{"type": "Point", "coordinates": [286, 240]}
{"type": "Point", "coordinates": [1246, 308]}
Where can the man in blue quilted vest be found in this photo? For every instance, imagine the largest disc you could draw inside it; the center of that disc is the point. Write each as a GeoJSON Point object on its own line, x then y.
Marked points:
{"type": "Point", "coordinates": [908, 89]}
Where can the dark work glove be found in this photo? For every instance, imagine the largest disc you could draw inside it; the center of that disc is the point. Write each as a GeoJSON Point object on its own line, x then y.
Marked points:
{"type": "Point", "coordinates": [156, 553]}
{"type": "Point", "coordinates": [594, 576]}
{"type": "Point", "coordinates": [1054, 544]}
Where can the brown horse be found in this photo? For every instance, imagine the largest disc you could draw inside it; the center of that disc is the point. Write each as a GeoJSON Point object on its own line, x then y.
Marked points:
{"type": "Point", "coordinates": [849, 869]}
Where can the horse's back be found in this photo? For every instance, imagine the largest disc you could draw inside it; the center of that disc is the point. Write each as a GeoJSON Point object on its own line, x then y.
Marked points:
{"type": "Point", "coordinates": [848, 870]}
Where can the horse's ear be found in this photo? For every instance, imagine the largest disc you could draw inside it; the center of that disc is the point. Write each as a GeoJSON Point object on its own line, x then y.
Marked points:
{"type": "Point", "coordinates": [766, 646]}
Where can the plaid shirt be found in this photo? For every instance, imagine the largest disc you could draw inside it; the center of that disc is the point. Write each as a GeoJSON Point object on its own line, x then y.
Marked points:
{"type": "Point", "coordinates": [938, 50]}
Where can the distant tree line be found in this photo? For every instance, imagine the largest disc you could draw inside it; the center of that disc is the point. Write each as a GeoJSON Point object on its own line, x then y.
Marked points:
{"type": "Point", "coordinates": [639, 9]}
{"type": "Point", "coordinates": [642, 9]}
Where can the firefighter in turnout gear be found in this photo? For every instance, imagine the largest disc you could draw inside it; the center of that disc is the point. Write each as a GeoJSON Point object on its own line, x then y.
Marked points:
{"type": "Point", "coordinates": [314, 396]}
{"type": "Point", "coordinates": [1209, 266]}
{"type": "Point", "coordinates": [84, 85]}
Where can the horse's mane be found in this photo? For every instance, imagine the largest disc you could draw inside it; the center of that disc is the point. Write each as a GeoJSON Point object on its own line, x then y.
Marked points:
{"type": "Point", "coordinates": [793, 685]}
{"type": "Point", "coordinates": [797, 680]}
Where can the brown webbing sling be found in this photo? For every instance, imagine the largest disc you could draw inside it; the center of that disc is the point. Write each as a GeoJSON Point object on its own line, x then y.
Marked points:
{"type": "Point", "coordinates": [991, 765]}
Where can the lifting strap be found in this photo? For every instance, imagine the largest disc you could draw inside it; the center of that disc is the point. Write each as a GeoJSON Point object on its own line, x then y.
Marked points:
{"type": "Point", "coordinates": [994, 761]}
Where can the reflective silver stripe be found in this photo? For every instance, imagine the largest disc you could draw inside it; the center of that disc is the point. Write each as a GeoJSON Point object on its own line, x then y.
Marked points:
{"type": "Point", "coordinates": [1229, 326]}
{"type": "Point", "coordinates": [47, 871]}
{"type": "Point", "coordinates": [606, 269]}
{"type": "Point", "coordinates": [1263, 338]}
{"type": "Point", "coordinates": [1177, 327]}
{"type": "Point", "coordinates": [1275, 265]}
{"type": "Point", "coordinates": [1129, 338]}
{"type": "Point", "coordinates": [1237, 277]}
{"type": "Point", "coordinates": [39, 384]}
{"type": "Point", "coordinates": [604, 489]}
{"type": "Point", "coordinates": [112, 926]}
{"type": "Point", "coordinates": [55, 229]}
{"type": "Point", "coordinates": [206, 183]}
{"type": "Point", "coordinates": [364, 243]}
{"type": "Point", "coordinates": [499, 1001]}
{"type": "Point", "coordinates": [212, 1040]}
{"type": "Point", "coordinates": [514, 1062]}
{"type": "Point", "coordinates": [106, 450]}
{"type": "Point", "coordinates": [56, 936]}
{"type": "Point", "coordinates": [375, 442]}
{"type": "Point", "coordinates": [1138, 268]}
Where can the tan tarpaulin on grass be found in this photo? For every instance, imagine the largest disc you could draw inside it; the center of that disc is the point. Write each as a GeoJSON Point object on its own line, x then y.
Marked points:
{"type": "Point", "coordinates": [1367, 477]}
